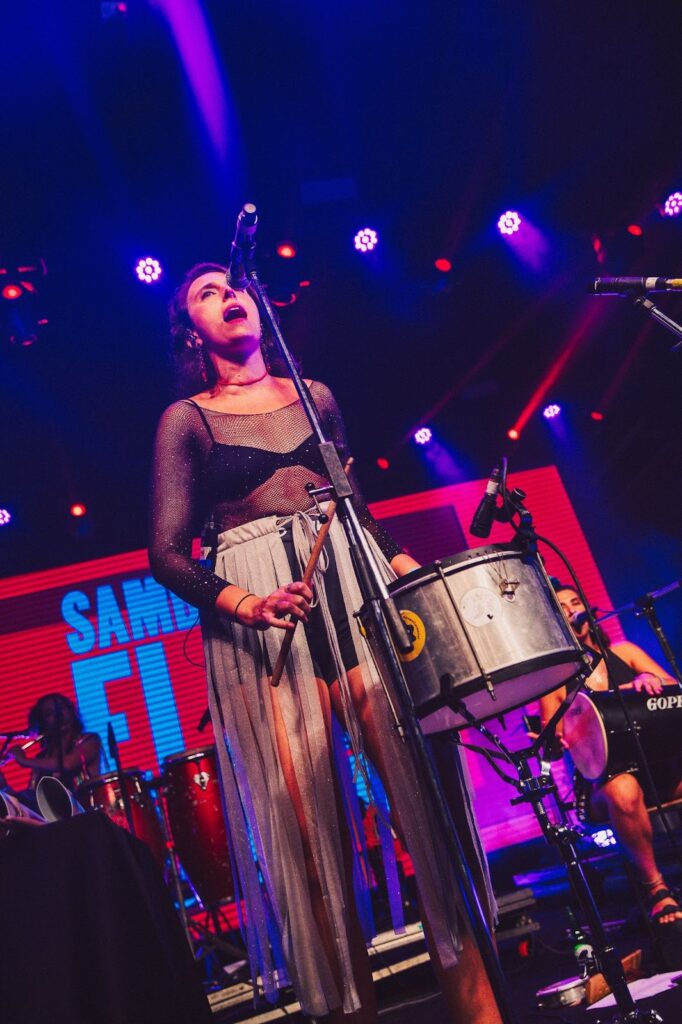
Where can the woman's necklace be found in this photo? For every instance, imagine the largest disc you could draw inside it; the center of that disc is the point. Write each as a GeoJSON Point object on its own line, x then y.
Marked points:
{"type": "Point", "coordinates": [240, 383]}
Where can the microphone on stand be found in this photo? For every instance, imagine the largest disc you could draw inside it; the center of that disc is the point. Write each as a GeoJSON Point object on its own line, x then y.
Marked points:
{"type": "Point", "coordinates": [242, 247]}
{"type": "Point", "coordinates": [628, 285]}
{"type": "Point", "coordinates": [578, 619]}
{"type": "Point", "coordinates": [482, 523]}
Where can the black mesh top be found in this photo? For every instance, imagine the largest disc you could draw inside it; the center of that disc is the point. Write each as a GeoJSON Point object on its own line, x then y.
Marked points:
{"type": "Point", "coordinates": [237, 467]}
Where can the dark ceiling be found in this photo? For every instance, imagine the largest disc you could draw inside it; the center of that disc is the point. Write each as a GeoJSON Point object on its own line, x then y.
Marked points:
{"type": "Point", "coordinates": [425, 121]}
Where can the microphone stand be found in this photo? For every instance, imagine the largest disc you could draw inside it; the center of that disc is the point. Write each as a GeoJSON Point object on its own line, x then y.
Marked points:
{"type": "Point", "coordinates": [390, 631]}
{"type": "Point", "coordinates": [125, 796]}
{"type": "Point", "coordinates": [644, 607]}
{"type": "Point", "coordinates": [645, 303]}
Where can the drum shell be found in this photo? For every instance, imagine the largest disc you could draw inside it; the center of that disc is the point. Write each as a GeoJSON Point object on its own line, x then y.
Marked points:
{"type": "Point", "coordinates": [104, 793]}
{"type": "Point", "coordinates": [597, 734]}
{"type": "Point", "coordinates": [195, 815]}
{"type": "Point", "coordinates": [467, 628]}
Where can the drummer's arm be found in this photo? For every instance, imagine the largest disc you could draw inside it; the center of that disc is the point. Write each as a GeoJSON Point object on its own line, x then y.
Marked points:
{"type": "Point", "coordinates": [402, 564]}
{"type": "Point", "coordinates": [549, 704]}
{"type": "Point", "coordinates": [72, 760]}
{"type": "Point", "coordinates": [651, 676]}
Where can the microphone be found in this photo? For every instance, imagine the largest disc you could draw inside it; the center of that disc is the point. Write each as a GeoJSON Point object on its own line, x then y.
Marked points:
{"type": "Point", "coordinates": [242, 248]}
{"type": "Point", "coordinates": [482, 523]}
{"type": "Point", "coordinates": [627, 285]}
{"type": "Point", "coordinates": [578, 619]}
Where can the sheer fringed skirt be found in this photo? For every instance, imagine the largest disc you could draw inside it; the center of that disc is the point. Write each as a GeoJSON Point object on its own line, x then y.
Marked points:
{"type": "Point", "coordinates": [283, 941]}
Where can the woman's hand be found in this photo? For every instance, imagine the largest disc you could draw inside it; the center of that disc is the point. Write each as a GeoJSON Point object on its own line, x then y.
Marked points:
{"type": "Point", "coordinates": [648, 682]}
{"type": "Point", "coordinates": [262, 612]}
{"type": "Point", "coordinates": [19, 756]}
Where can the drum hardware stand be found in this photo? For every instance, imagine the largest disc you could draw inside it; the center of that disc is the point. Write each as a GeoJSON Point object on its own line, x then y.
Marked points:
{"type": "Point", "coordinates": [388, 625]}
{"type": "Point", "coordinates": [533, 789]}
{"type": "Point", "coordinates": [125, 795]}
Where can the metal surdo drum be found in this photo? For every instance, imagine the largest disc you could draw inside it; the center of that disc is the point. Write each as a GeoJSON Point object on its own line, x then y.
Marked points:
{"type": "Point", "coordinates": [488, 631]}
{"type": "Point", "coordinates": [104, 793]}
{"type": "Point", "coordinates": [195, 815]}
{"type": "Point", "coordinates": [598, 738]}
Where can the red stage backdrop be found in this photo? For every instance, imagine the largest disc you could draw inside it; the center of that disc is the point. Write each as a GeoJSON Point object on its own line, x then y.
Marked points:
{"type": "Point", "coordinates": [129, 652]}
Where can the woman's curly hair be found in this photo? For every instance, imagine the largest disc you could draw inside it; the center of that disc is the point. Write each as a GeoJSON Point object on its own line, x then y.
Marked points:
{"type": "Point", "coordinates": [36, 719]}
{"type": "Point", "coordinates": [194, 372]}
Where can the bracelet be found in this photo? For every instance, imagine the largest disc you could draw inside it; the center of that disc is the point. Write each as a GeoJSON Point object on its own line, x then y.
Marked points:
{"type": "Point", "coordinates": [236, 607]}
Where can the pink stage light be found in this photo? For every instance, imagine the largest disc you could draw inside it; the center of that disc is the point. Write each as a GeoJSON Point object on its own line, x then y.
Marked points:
{"type": "Point", "coordinates": [287, 250]}
{"type": "Point", "coordinates": [148, 270]}
{"type": "Point", "coordinates": [509, 223]}
{"type": "Point", "coordinates": [551, 410]}
{"type": "Point", "coordinates": [383, 463]}
{"type": "Point", "coordinates": [78, 510]}
{"type": "Point", "coordinates": [11, 291]}
{"type": "Point", "coordinates": [366, 239]}
{"type": "Point", "coordinates": [672, 207]}
{"type": "Point", "coordinates": [423, 435]}
{"type": "Point", "coordinates": [5, 516]}
{"type": "Point", "coordinates": [445, 266]}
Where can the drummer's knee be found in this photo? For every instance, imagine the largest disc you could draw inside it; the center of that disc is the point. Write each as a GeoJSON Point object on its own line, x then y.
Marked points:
{"type": "Point", "coordinates": [624, 794]}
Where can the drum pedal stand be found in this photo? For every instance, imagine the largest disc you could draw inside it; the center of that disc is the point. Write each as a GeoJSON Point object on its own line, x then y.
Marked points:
{"type": "Point", "coordinates": [533, 790]}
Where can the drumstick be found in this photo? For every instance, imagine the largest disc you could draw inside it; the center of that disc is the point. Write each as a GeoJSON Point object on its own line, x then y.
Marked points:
{"type": "Point", "coordinates": [307, 577]}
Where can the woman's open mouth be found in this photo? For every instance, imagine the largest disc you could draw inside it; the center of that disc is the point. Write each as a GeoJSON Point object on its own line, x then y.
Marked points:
{"type": "Point", "coordinates": [235, 312]}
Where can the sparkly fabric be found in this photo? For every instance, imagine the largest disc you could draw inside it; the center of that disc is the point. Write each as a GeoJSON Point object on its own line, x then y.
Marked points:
{"type": "Point", "coordinates": [237, 468]}
{"type": "Point", "coordinates": [258, 805]}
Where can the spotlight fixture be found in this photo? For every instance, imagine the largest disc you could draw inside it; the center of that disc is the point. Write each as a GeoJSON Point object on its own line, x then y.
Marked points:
{"type": "Point", "coordinates": [509, 223]}
{"type": "Point", "coordinates": [423, 435]}
{"type": "Point", "coordinates": [12, 291]}
{"type": "Point", "coordinates": [383, 463]}
{"type": "Point", "coordinates": [513, 434]}
{"type": "Point", "coordinates": [672, 207]}
{"type": "Point", "coordinates": [5, 517]}
{"type": "Point", "coordinates": [443, 265]}
{"type": "Point", "coordinates": [148, 270]}
{"type": "Point", "coordinates": [551, 410]}
{"type": "Point", "coordinates": [77, 510]}
{"type": "Point", "coordinates": [636, 230]}
{"type": "Point", "coordinates": [597, 416]}
{"type": "Point", "coordinates": [366, 239]}
{"type": "Point", "coordinates": [287, 250]}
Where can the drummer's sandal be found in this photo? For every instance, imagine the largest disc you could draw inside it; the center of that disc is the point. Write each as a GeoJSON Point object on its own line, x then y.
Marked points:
{"type": "Point", "coordinates": [656, 894]}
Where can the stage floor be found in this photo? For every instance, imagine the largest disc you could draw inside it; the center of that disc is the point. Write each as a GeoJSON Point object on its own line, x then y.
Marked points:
{"type": "Point", "coordinates": [406, 985]}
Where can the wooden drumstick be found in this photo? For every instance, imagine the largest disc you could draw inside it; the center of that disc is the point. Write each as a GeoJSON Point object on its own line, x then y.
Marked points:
{"type": "Point", "coordinates": [307, 577]}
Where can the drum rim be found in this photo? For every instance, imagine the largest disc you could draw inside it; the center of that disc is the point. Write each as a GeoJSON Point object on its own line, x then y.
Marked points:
{"type": "Point", "coordinates": [113, 776]}
{"type": "Point", "coordinates": [188, 755]}
{"type": "Point", "coordinates": [503, 675]}
{"type": "Point", "coordinates": [472, 556]}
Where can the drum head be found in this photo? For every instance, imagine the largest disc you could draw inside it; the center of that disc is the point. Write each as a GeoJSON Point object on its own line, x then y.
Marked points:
{"type": "Point", "coordinates": [586, 737]}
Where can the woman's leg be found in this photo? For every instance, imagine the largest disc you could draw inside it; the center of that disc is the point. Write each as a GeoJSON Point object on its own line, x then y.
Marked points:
{"type": "Point", "coordinates": [359, 958]}
{"type": "Point", "coordinates": [466, 988]}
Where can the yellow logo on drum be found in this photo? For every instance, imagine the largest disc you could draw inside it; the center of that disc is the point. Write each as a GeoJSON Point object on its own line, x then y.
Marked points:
{"type": "Point", "coordinates": [417, 632]}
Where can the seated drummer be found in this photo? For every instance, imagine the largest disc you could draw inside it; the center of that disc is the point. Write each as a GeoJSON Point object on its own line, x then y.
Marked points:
{"type": "Point", "coordinates": [621, 799]}
{"type": "Point", "coordinates": [66, 751]}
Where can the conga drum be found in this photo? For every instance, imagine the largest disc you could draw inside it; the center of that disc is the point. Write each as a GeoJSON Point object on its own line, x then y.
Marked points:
{"type": "Point", "coordinates": [195, 816]}
{"type": "Point", "coordinates": [104, 793]}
